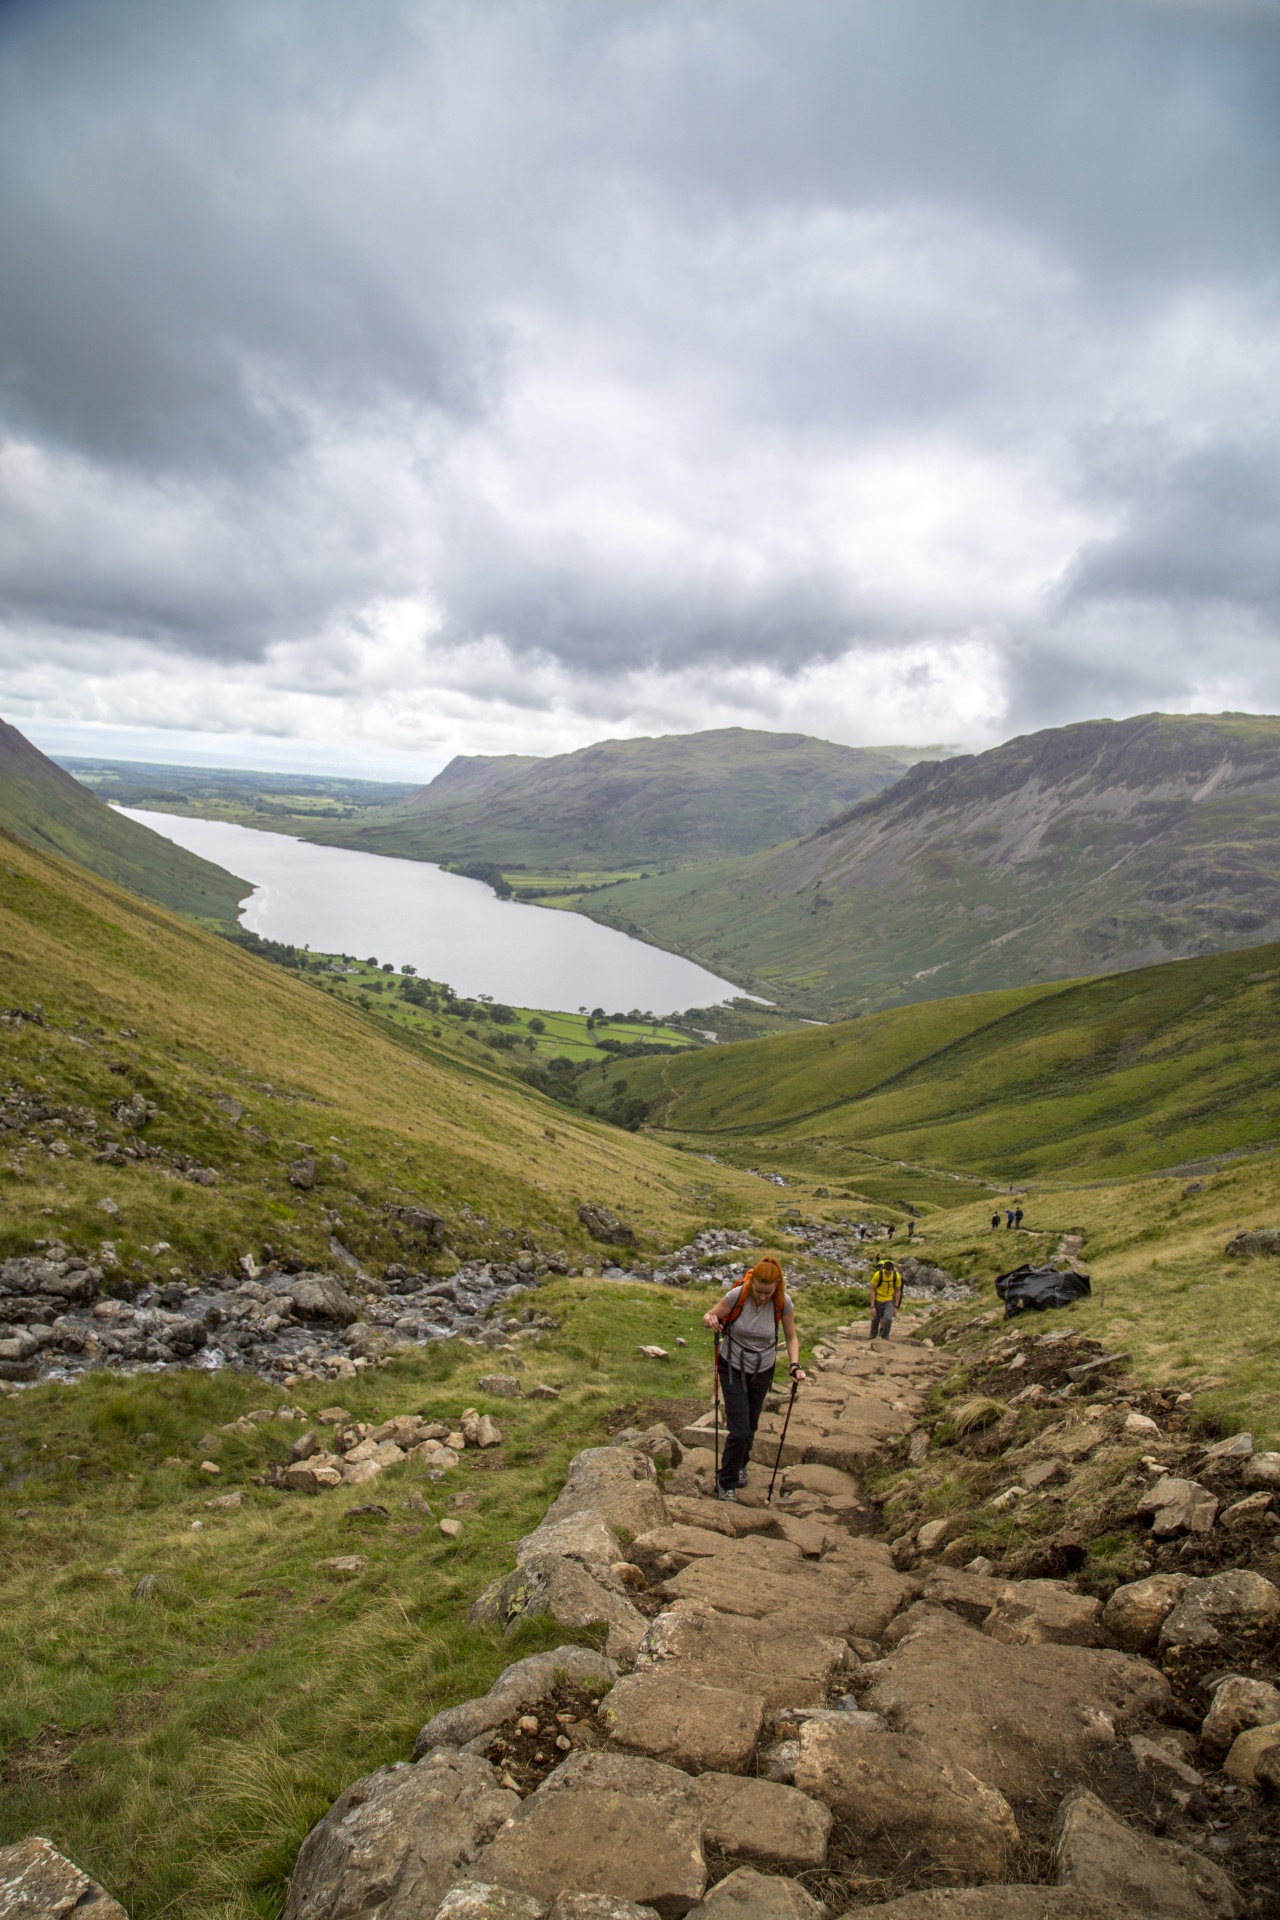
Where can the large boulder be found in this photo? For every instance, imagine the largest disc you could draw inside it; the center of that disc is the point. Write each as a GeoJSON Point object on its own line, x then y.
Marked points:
{"type": "Point", "coordinates": [568, 1592]}
{"type": "Point", "coordinates": [1102, 1856]}
{"type": "Point", "coordinates": [789, 1666]}
{"type": "Point", "coordinates": [1239, 1601]}
{"type": "Point", "coordinates": [517, 1687]}
{"type": "Point", "coordinates": [318, 1296]}
{"type": "Point", "coordinates": [891, 1785]}
{"type": "Point", "coordinates": [1261, 1240]}
{"type": "Point", "coordinates": [1255, 1757]}
{"type": "Point", "coordinates": [617, 1484]}
{"type": "Point", "coordinates": [688, 1725]}
{"type": "Point", "coordinates": [396, 1841]}
{"type": "Point", "coordinates": [605, 1226]}
{"type": "Point", "coordinates": [39, 1883]}
{"type": "Point", "coordinates": [1019, 1720]}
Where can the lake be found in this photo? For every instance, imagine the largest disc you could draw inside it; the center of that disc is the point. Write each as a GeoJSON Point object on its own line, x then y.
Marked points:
{"type": "Point", "coordinates": [450, 929]}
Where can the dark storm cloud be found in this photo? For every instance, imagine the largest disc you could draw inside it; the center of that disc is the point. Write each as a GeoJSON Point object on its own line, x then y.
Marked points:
{"type": "Point", "coordinates": [662, 337]}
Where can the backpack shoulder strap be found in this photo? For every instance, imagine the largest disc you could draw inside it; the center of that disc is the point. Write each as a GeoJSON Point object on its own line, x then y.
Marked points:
{"type": "Point", "coordinates": [738, 1304]}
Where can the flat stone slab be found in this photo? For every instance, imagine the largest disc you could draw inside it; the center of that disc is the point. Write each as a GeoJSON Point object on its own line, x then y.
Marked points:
{"type": "Point", "coordinates": [854, 1590]}
{"type": "Point", "coordinates": [1018, 1717]}
{"type": "Point", "coordinates": [893, 1786]}
{"type": "Point", "coordinates": [594, 1840]}
{"type": "Point", "coordinates": [760, 1820]}
{"type": "Point", "coordinates": [789, 1666]}
{"type": "Point", "coordinates": [683, 1722]}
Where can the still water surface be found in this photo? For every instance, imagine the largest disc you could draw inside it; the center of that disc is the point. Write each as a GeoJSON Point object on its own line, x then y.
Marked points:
{"type": "Point", "coordinates": [448, 928]}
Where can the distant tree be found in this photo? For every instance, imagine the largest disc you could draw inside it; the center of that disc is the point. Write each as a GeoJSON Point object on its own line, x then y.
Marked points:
{"type": "Point", "coordinates": [387, 967]}
{"type": "Point", "coordinates": [406, 968]}
{"type": "Point", "coordinates": [371, 961]}
{"type": "Point", "coordinates": [536, 1025]}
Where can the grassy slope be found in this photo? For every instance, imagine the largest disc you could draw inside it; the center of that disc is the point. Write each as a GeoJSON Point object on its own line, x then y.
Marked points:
{"type": "Point", "coordinates": [1124, 1074]}
{"type": "Point", "coordinates": [636, 803]}
{"type": "Point", "coordinates": [1105, 845]}
{"type": "Point", "coordinates": [413, 1116]}
{"type": "Point", "coordinates": [43, 806]}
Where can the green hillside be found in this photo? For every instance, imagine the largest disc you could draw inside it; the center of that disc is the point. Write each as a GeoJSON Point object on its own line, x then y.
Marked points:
{"type": "Point", "coordinates": [629, 804]}
{"type": "Point", "coordinates": [1125, 1074]}
{"type": "Point", "coordinates": [45, 807]}
{"type": "Point", "coordinates": [1079, 850]}
{"type": "Point", "coordinates": [134, 998]}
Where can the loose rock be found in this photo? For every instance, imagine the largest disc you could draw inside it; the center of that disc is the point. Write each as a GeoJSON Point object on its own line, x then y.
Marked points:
{"type": "Point", "coordinates": [1100, 1855]}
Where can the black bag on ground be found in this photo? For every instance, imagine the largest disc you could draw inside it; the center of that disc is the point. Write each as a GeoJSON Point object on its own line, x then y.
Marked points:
{"type": "Point", "coordinates": [1040, 1287]}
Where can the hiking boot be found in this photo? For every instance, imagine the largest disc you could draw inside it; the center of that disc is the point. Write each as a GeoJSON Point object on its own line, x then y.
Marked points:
{"type": "Point", "coordinates": [741, 1480]}
{"type": "Point", "coordinates": [725, 1493]}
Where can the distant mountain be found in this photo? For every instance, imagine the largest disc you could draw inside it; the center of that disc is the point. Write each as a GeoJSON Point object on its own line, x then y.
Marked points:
{"type": "Point", "coordinates": [626, 803]}
{"type": "Point", "coordinates": [1083, 849]}
{"type": "Point", "coordinates": [49, 810]}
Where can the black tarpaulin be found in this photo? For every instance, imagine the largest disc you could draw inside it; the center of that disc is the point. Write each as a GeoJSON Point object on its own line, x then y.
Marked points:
{"type": "Point", "coordinates": [1040, 1287]}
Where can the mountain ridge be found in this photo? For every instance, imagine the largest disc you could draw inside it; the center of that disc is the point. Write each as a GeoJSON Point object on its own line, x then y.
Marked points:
{"type": "Point", "coordinates": [631, 803]}
{"type": "Point", "coordinates": [1076, 850]}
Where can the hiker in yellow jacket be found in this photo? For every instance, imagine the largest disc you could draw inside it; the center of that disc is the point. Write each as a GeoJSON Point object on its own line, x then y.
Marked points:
{"type": "Point", "coordinates": [886, 1296]}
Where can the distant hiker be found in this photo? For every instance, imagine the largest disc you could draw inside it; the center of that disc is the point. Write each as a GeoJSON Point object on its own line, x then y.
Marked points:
{"type": "Point", "coordinates": [891, 1225]}
{"type": "Point", "coordinates": [886, 1296]}
{"type": "Point", "coordinates": [995, 1223]}
{"type": "Point", "coordinates": [1017, 1218]}
{"type": "Point", "coordinates": [1009, 1222]}
{"type": "Point", "coordinates": [748, 1319]}
{"type": "Point", "coordinates": [911, 1229]}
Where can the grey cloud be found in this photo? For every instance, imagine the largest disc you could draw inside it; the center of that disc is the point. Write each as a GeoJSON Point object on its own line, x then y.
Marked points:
{"type": "Point", "coordinates": [601, 331]}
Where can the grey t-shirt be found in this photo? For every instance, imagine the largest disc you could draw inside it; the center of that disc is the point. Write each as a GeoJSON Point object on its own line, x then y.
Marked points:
{"type": "Point", "coordinates": [751, 1343]}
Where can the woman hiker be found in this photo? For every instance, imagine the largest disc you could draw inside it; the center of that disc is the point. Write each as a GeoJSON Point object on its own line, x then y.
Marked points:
{"type": "Point", "coordinates": [748, 1319]}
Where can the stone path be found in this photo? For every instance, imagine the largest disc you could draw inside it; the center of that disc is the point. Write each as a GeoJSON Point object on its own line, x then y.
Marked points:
{"type": "Point", "coordinates": [786, 1725]}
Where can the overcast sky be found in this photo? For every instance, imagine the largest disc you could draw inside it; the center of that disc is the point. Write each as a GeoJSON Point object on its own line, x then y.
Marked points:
{"type": "Point", "coordinates": [388, 380]}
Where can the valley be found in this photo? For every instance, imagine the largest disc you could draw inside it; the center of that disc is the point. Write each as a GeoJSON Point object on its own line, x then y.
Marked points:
{"type": "Point", "coordinates": [269, 1213]}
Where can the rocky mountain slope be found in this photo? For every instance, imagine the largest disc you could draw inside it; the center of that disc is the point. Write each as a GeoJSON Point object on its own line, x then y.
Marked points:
{"type": "Point", "coordinates": [1081, 849]}
{"type": "Point", "coordinates": [43, 806]}
{"type": "Point", "coordinates": [623, 803]}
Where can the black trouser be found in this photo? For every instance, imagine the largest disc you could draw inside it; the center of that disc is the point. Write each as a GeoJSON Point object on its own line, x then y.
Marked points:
{"type": "Point", "coordinates": [743, 1395]}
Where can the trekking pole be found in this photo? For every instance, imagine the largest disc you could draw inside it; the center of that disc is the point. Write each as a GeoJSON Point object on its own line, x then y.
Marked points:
{"type": "Point", "coordinates": [795, 1388]}
{"type": "Point", "coordinates": [716, 1368]}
